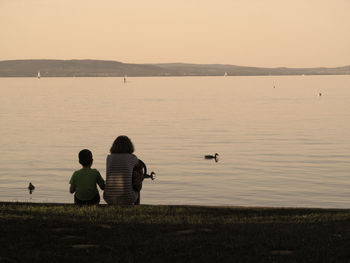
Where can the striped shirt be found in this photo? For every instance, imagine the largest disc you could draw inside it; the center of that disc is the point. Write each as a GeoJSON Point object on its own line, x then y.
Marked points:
{"type": "Point", "coordinates": [118, 188]}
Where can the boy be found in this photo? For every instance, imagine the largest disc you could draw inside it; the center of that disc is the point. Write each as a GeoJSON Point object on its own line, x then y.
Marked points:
{"type": "Point", "coordinates": [83, 182]}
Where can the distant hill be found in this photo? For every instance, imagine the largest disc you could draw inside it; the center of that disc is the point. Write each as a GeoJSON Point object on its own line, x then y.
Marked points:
{"type": "Point", "coordinates": [103, 68]}
{"type": "Point", "coordinates": [219, 69]}
{"type": "Point", "coordinates": [74, 68]}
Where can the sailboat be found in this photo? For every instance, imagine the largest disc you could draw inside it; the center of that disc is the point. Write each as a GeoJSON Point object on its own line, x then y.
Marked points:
{"type": "Point", "coordinates": [225, 75]}
{"type": "Point", "coordinates": [38, 74]}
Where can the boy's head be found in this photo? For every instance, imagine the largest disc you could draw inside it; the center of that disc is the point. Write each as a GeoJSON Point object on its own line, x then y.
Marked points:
{"type": "Point", "coordinates": [85, 157]}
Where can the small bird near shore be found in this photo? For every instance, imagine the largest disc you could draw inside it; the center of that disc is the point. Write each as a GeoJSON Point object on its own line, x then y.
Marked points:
{"type": "Point", "coordinates": [215, 157]}
{"type": "Point", "coordinates": [31, 188]}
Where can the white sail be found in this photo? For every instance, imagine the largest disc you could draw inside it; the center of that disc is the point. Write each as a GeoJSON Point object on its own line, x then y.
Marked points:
{"type": "Point", "coordinates": [38, 74]}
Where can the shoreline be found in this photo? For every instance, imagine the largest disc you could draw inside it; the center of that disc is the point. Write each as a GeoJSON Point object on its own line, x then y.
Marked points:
{"type": "Point", "coordinates": [34, 232]}
{"type": "Point", "coordinates": [180, 205]}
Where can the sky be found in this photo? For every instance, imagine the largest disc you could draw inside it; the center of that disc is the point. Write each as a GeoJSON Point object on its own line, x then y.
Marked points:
{"type": "Point", "coordinates": [262, 33]}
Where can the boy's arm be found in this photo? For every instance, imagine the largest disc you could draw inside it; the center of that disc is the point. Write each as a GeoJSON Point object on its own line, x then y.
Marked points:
{"type": "Point", "coordinates": [72, 188]}
{"type": "Point", "coordinates": [72, 185]}
{"type": "Point", "coordinates": [101, 182]}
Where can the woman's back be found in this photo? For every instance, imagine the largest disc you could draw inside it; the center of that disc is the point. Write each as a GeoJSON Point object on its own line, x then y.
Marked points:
{"type": "Point", "coordinates": [119, 170]}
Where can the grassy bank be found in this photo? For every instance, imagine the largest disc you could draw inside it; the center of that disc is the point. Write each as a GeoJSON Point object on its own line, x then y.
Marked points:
{"type": "Point", "coordinates": [66, 233]}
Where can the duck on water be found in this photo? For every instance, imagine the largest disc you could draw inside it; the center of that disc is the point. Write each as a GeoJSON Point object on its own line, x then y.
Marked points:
{"type": "Point", "coordinates": [31, 188]}
{"type": "Point", "coordinates": [215, 157]}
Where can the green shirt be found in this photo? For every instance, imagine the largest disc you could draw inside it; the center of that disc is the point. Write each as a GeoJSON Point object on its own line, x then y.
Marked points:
{"type": "Point", "coordinates": [85, 181]}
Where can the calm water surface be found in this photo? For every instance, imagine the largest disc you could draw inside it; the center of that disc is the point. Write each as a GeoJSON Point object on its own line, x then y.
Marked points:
{"type": "Point", "coordinates": [282, 146]}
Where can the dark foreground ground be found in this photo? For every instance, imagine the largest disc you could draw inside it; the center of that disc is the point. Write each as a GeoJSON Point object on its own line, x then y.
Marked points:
{"type": "Point", "coordinates": [65, 233]}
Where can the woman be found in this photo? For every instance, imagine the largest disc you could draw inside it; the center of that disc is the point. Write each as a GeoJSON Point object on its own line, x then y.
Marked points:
{"type": "Point", "coordinates": [120, 165]}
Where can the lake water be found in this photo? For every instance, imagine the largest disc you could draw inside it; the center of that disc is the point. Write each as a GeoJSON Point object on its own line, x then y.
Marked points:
{"type": "Point", "coordinates": [282, 146]}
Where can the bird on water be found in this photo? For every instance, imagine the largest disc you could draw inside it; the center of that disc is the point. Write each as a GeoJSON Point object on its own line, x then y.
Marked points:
{"type": "Point", "coordinates": [215, 156]}
{"type": "Point", "coordinates": [31, 188]}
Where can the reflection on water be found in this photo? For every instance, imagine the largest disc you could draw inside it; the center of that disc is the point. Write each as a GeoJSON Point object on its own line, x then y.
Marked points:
{"type": "Point", "coordinates": [282, 146]}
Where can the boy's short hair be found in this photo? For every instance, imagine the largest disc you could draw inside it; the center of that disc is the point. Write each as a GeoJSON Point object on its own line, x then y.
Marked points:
{"type": "Point", "coordinates": [85, 157]}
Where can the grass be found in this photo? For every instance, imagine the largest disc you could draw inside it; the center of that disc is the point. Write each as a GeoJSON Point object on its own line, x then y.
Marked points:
{"type": "Point", "coordinates": [66, 233]}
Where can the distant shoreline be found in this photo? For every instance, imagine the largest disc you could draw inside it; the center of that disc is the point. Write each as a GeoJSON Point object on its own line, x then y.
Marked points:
{"type": "Point", "coordinates": [103, 68]}
{"type": "Point", "coordinates": [172, 76]}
